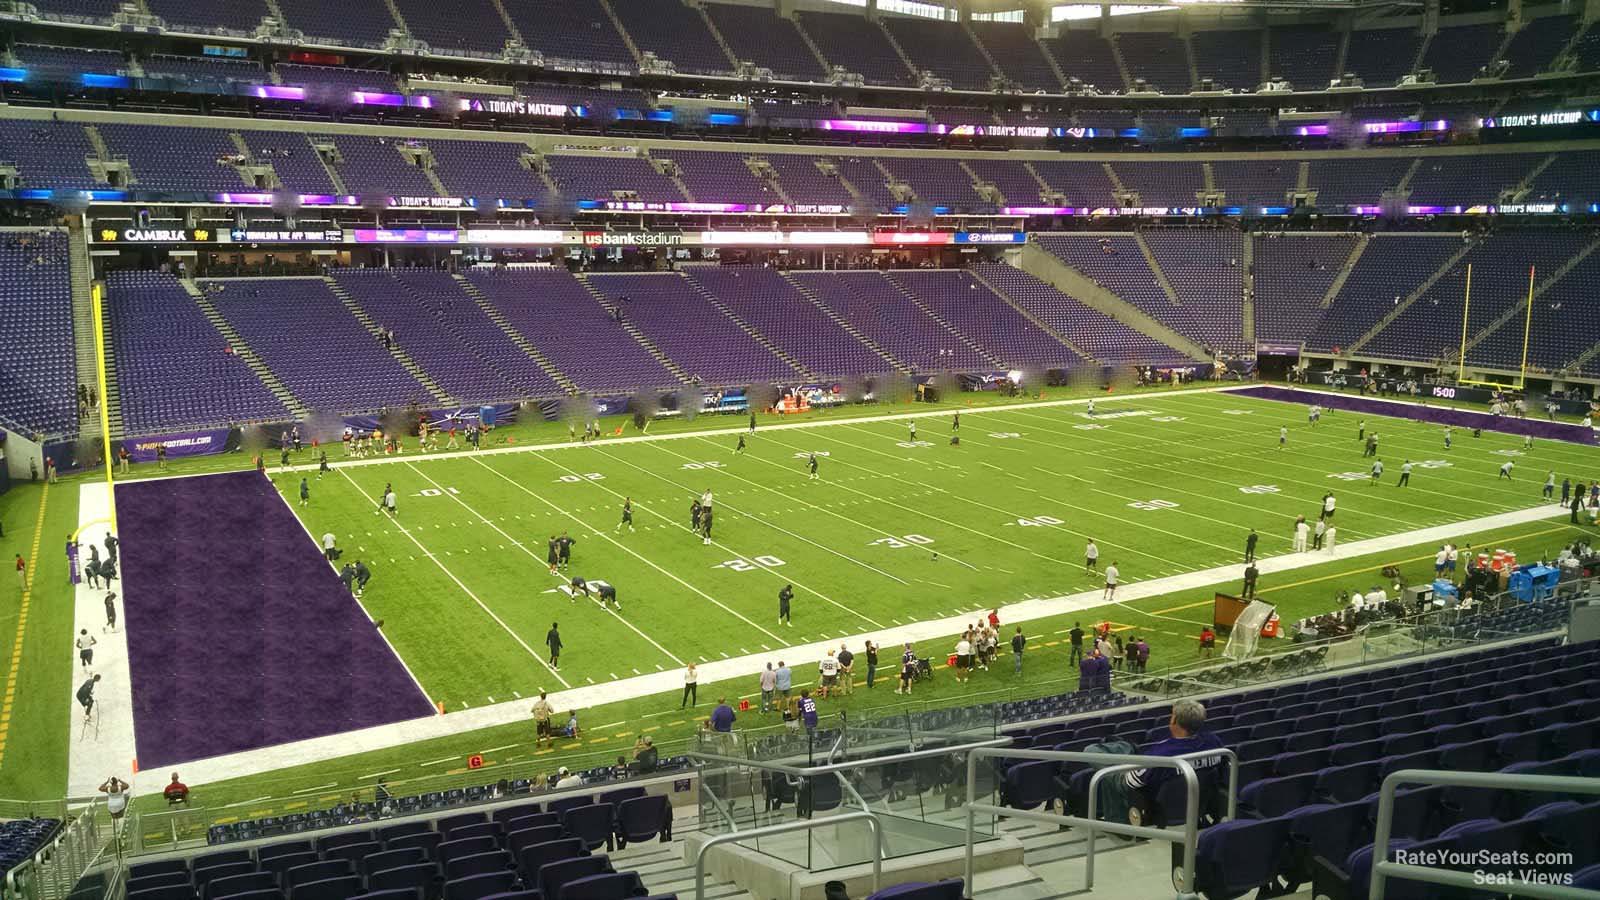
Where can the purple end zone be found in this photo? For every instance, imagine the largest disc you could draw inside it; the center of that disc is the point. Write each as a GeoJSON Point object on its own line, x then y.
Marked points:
{"type": "Point", "coordinates": [239, 633]}
{"type": "Point", "coordinates": [1460, 418]}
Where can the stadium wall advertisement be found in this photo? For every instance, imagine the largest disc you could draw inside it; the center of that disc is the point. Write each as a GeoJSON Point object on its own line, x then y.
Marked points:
{"type": "Point", "coordinates": [182, 443]}
{"type": "Point", "coordinates": [1459, 418]}
{"type": "Point", "coordinates": [1464, 392]}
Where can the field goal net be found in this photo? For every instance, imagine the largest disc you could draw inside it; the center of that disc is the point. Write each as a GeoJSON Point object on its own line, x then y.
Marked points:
{"type": "Point", "coordinates": [1246, 632]}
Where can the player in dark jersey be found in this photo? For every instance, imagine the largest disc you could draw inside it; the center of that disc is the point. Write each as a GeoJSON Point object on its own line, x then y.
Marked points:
{"type": "Point", "coordinates": [579, 586]}
{"type": "Point", "coordinates": [608, 593]}
{"type": "Point", "coordinates": [705, 525]}
{"type": "Point", "coordinates": [812, 465]}
{"type": "Point", "coordinates": [564, 549]}
{"type": "Point", "coordinates": [696, 511]}
{"type": "Point", "coordinates": [553, 554]}
{"type": "Point", "coordinates": [784, 596]}
{"type": "Point", "coordinates": [740, 448]}
{"type": "Point", "coordinates": [627, 514]}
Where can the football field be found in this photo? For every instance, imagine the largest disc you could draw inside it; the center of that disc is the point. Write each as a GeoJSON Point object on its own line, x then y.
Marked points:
{"type": "Point", "coordinates": [898, 528]}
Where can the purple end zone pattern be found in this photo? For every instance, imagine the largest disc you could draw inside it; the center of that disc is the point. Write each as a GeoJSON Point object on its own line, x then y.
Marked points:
{"type": "Point", "coordinates": [239, 635]}
{"type": "Point", "coordinates": [1460, 418]}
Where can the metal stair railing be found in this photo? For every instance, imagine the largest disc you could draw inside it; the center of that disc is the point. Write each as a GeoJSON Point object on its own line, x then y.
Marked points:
{"type": "Point", "coordinates": [733, 837]}
{"type": "Point", "coordinates": [1383, 869]}
{"type": "Point", "coordinates": [1188, 837]}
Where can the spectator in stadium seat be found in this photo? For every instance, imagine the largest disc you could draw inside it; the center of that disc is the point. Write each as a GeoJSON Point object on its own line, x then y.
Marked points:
{"type": "Point", "coordinates": [1102, 671]}
{"type": "Point", "coordinates": [1187, 727]}
{"type": "Point", "coordinates": [722, 717]}
{"type": "Point", "coordinates": [176, 791]}
{"type": "Point", "coordinates": [645, 755]}
{"type": "Point", "coordinates": [1087, 667]}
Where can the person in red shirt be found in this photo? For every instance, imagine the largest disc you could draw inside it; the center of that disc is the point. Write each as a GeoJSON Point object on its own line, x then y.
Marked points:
{"type": "Point", "coordinates": [22, 572]}
{"type": "Point", "coordinates": [994, 619]}
{"type": "Point", "coordinates": [177, 791]}
{"type": "Point", "coordinates": [1208, 641]}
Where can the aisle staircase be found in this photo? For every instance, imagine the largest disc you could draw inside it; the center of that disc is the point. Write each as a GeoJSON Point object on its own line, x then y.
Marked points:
{"type": "Point", "coordinates": [634, 332]}
{"type": "Point", "coordinates": [960, 335]}
{"type": "Point", "coordinates": [523, 344]}
{"type": "Point", "coordinates": [1049, 268]}
{"type": "Point", "coordinates": [747, 328]}
{"type": "Point", "coordinates": [400, 355]}
{"type": "Point", "coordinates": [243, 350]}
{"type": "Point", "coordinates": [849, 329]}
{"type": "Point", "coordinates": [1344, 272]}
{"type": "Point", "coordinates": [83, 330]}
{"type": "Point", "coordinates": [1407, 300]}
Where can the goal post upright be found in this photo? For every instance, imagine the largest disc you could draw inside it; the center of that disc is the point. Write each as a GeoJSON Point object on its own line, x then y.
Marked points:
{"type": "Point", "coordinates": [1466, 307]}
{"type": "Point", "coordinates": [1527, 333]}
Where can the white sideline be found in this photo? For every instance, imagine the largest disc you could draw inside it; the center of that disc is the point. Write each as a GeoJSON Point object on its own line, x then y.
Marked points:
{"type": "Point", "coordinates": [91, 759]}
{"type": "Point", "coordinates": [414, 456]}
{"type": "Point", "coordinates": [382, 737]}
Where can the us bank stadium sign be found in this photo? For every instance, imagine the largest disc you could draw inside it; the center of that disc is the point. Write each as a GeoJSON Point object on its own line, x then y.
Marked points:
{"type": "Point", "coordinates": [632, 239]}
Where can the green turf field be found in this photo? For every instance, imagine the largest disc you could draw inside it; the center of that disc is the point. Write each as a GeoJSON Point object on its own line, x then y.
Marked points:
{"type": "Point", "coordinates": [36, 647]}
{"type": "Point", "coordinates": [896, 529]}
{"type": "Point", "coordinates": [508, 750]}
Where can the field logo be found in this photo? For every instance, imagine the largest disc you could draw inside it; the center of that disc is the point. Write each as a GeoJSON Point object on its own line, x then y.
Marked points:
{"type": "Point", "coordinates": [750, 565]}
{"type": "Point", "coordinates": [1153, 504]}
{"type": "Point", "coordinates": [1119, 414]}
{"type": "Point", "coordinates": [899, 543]}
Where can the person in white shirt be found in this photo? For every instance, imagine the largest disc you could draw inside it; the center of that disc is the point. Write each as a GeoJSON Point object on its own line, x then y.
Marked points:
{"type": "Point", "coordinates": [1357, 602]}
{"type": "Point", "coordinates": [328, 543]}
{"type": "Point", "coordinates": [1505, 470]}
{"type": "Point", "coordinates": [1111, 581]}
{"type": "Point", "coordinates": [1091, 558]}
{"type": "Point", "coordinates": [828, 672]}
{"type": "Point", "coordinates": [1301, 530]}
{"type": "Point", "coordinates": [1316, 538]}
{"type": "Point", "coordinates": [964, 658]}
{"type": "Point", "coordinates": [691, 686]}
{"type": "Point", "coordinates": [86, 644]}
{"type": "Point", "coordinates": [1328, 504]}
{"type": "Point", "coordinates": [1377, 598]}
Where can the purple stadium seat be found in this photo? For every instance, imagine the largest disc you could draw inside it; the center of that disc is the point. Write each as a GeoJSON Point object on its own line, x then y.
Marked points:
{"type": "Point", "coordinates": [949, 889]}
{"type": "Point", "coordinates": [594, 824]}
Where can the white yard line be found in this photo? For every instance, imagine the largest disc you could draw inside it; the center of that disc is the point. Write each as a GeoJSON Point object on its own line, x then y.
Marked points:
{"type": "Point", "coordinates": [417, 456]}
{"type": "Point", "coordinates": [388, 736]}
{"type": "Point", "coordinates": [462, 585]}
{"type": "Point", "coordinates": [541, 562]}
{"type": "Point", "coordinates": [630, 551]}
{"type": "Point", "coordinates": [357, 600]}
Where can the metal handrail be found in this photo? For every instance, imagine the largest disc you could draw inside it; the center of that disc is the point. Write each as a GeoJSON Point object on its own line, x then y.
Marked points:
{"type": "Point", "coordinates": [1094, 798]}
{"type": "Point", "coordinates": [1189, 837]}
{"type": "Point", "coordinates": [1383, 869]}
{"type": "Point", "coordinates": [871, 818]}
{"type": "Point", "coordinates": [812, 771]}
{"type": "Point", "coordinates": [718, 805]}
